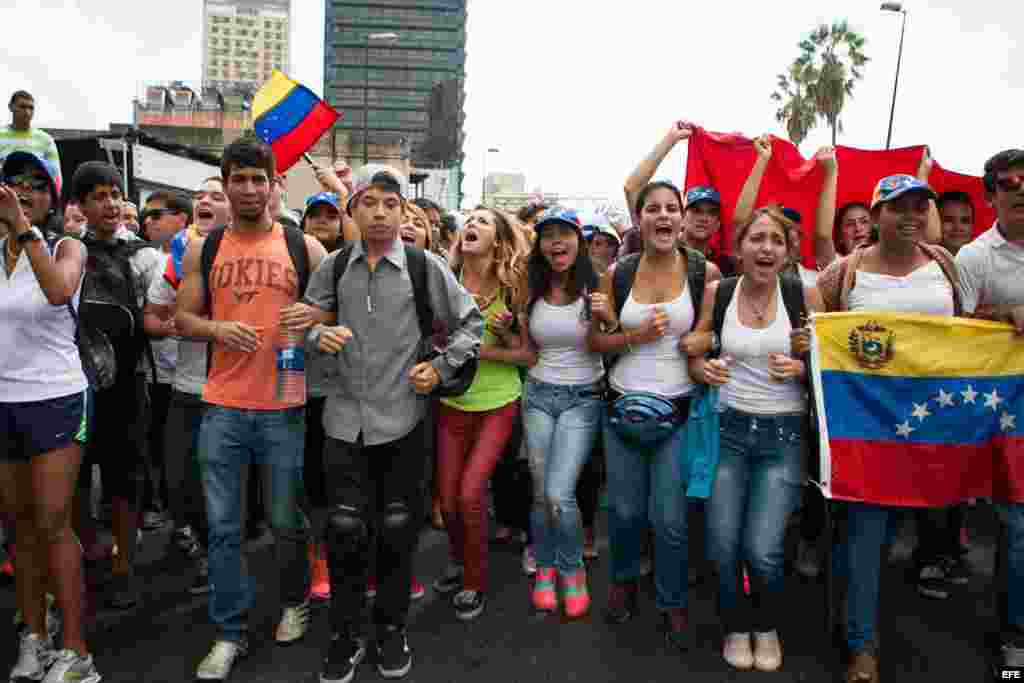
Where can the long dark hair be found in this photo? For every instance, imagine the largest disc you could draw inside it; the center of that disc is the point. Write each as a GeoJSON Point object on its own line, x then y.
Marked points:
{"type": "Point", "coordinates": [582, 276]}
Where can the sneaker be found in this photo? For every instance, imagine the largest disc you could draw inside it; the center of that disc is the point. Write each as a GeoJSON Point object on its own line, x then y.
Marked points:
{"type": "Point", "coordinates": [123, 592]}
{"type": "Point", "coordinates": [575, 595]}
{"type": "Point", "coordinates": [186, 540]}
{"type": "Point", "coordinates": [293, 625]}
{"type": "Point", "coordinates": [343, 657]}
{"type": "Point", "coordinates": [53, 619]}
{"type": "Point", "coordinates": [544, 598]}
{"type": "Point", "coordinates": [35, 654]}
{"type": "Point", "coordinates": [621, 603]}
{"type": "Point", "coordinates": [931, 582]}
{"type": "Point", "coordinates": [451, 580]}
{"type": "Point", "coordinates": [416, 590]}
{"type": "Point", "coordinates": [70, 667]}
{"type": "Point", "coordinates": [320, 586]}
{"type": "Point", "coordinates": [152, 520]}
{"type": "Point", "coordinates": [958, 572]}
{"type": "Point", "coordinates": [677, 628]}
{"type": "Point", "coordinates": [807, 563]}
{"type": "Point", "coordinates": [201, 579]}
{"type": "Point", "coordinates": [394, 659]}
{"type": "Point", "coordinates": [529, 561]}
{"type": "Point", "coordinates": [469, 604]}
{"type": "Point", "coordinates": [736, 651]}
{"type": "Point", "coordinates": [1013, 655]}
{"type": "Point", "coordinates": [767, 651]}
{"type": "Point", "coordinates": [217, 665]}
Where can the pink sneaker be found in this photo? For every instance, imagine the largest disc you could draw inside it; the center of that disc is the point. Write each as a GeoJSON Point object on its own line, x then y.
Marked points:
{"type": "Point", "coordinates": [416, 590]}
{"type": "Point", "coordinates": [544, 597]}
{"type": "Point", "coordinates": [320, 586]}
{"type": "Point", "coordinates": [575, 595]}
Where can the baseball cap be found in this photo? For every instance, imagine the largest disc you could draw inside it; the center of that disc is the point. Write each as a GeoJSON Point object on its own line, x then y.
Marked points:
{"type": "Point", "coordinates": [323, 198]}
{"type": "Point", "coordinates": [559, 214]}
{"type": "Point", "coordinates": [894, 186]}
{"type": "Point", "coordinates": [599, 223]}
{"type": "Point", "coordinates": [16, 161]}
{"type": "Point", "coordinates": [792, 214]}
{"type": "Point", "coordinates": [702, 193]}
{"type": "Point", "coordinates": [378, 175]}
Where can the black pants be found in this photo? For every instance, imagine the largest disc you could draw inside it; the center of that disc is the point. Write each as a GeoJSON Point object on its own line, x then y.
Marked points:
{"type": "Point", "coordinates": [154, 493]}
{"type": "Point", "coordinates": [313, 465]}
{"type": "Point", "coordinates": [512, 485]}
{"type": "Point", "coordinates": [181, 462]}
{"type": "Point", "coordinates": [118, 440]}
{"type": "Point", "coordinates": [938, 533]}
{"type": "Point", "coordinates": [368, 489]}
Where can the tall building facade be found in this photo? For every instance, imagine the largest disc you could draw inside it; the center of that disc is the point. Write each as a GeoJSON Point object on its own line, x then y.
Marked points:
{"type": "Point", "coordinates": [396, 68]}
{"type": "Point", "coordinates": [245, 40]}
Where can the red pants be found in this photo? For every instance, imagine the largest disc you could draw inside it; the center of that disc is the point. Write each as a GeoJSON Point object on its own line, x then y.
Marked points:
{"type": "Point", "coordinates": [469, 446]}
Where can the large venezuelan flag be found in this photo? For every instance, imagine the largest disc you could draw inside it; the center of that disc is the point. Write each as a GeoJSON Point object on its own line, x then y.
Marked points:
{"type": "Point", "coordinates": [918, 410]}
{"type": "Point", "coordinates": [290, 118]}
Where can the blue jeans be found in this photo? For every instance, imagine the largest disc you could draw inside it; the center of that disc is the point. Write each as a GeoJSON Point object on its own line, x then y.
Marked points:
{"type": "Point", "coordinates": [647, 487]}
{"type": "Point", "coordinates": [561, 424]}
{"type": "Point", "coordinates": [1012, 515]}
{"type": "Point", "coordinates": [230, 440]}
{"type": "Point", "coordinates": [757, 487]}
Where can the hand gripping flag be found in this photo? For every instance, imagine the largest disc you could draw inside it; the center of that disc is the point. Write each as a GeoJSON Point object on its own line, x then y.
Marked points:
{"type": "Point", "coordinates": [290, 118]}
{"type": "Point", "coordinates": [918, 410]}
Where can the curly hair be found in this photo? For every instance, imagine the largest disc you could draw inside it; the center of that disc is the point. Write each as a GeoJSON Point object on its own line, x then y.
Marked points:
{"type": "Point", "coordinates": [510, 253]}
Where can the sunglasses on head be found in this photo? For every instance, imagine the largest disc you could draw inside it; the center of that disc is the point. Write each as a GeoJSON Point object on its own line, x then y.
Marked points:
{"type": "Point", "coordinates": [1010, 183]}
{"type": "Point", "coordinates": [33, 181]}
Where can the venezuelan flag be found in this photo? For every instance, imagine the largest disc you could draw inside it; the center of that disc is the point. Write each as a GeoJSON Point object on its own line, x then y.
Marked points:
{"type": "Point", "coordinates": [290, 118]}
{"type": "Point", "coordinates": [918, 410]}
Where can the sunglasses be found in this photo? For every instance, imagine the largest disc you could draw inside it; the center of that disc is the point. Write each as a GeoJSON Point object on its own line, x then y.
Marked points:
{"type": "Point", "coordinates": [1011, 183]}
{"type": "Point", "coordinates": [158, 213]}
{"type": "Point", "coordinates": [27, 179]}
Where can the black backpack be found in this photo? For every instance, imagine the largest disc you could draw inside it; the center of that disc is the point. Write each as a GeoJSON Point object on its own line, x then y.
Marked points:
{"type": "Point", "coordinates": [109, 328]}
{"type": "Point", "coordinates": [416, 262]}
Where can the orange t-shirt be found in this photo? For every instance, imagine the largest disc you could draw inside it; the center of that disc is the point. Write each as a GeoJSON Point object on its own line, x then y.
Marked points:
{"type": "Point", "coordinates": [252, 279]}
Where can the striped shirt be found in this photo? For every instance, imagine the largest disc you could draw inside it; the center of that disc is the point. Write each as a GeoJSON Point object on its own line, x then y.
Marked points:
{"type": "Point", "coordinates": [34, 140]}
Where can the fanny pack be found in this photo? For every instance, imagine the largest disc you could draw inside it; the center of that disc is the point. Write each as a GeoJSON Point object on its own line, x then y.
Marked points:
{"type": "Point", "coordinates": [644, 419]}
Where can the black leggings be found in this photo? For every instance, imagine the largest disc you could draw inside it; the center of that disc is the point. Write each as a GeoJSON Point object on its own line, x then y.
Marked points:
{"type": "Point", "coordinates": [118, 440]}
{"type": "Point", "coordinates": [154, 495]}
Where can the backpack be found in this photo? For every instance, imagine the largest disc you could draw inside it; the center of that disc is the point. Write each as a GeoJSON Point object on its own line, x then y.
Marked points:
{"type": "Point", "coordinates": [416, 262]}
{"type": "Point", "coordinates": [109, 328]}
{"type": "Point", "coordinates": [625, 274]}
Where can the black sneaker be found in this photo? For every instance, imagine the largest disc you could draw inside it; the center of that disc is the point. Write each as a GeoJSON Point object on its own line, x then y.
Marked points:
{"type": "Point", "coordinates": [394, 659]}
{"type": "Point", "coordinates": [123, 592]}
{"type": "Point", "coordinates": [958, 572]}
{"type": "Point", "coordinates": [932, 583]}
{"type": "Point", "coordinates": [469, 604]}
{"type": "Point", "coordinates": [450, 581]}
{"type": "Point", "coordinates": [343, 657]}
{"type": "Point", "coordinates": [201, 578]}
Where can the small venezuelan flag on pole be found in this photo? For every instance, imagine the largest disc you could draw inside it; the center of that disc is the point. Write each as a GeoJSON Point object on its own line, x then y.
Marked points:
{"type": "Point", "coordinates": [290, 118]}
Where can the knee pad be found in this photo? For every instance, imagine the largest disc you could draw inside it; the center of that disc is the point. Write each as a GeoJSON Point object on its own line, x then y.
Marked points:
{"type": "Point", "coordinates": [347, 525]}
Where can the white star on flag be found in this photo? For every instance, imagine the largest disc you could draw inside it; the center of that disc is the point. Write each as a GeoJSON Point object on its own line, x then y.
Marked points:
{"type": "Point", "coordinates": [1007, 422]}
{"type": "Point", "coordinates": [905, 429]}
{"type": "Point", "coordinates": [944, 400]}
{"type": "Point", "coordinates": [921, 411]}
{"type": "Point", "coordinates": [969, 395]}
{"type": "Point", "coordinates": [993, 400]}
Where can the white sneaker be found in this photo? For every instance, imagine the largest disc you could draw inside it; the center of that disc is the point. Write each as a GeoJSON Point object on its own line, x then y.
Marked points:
{"type": "Point", "coordinates": [217, 665]}
{"type": "Point", "coordinates": [293, 625]}
{"type": "Point", "coordinates": [35, 654]}
{"type": "Point", "coordinates": [71, 667]}
{"type": "Point", "coordinates": [736, 651]}
{"type": "Point", "coordinates": [767, 651]}
{"type": "Point", "coordinates": [529, 561]}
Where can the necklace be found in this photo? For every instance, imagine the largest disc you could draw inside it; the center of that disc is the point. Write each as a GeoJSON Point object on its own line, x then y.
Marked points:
{"type": "Point", "coordinates": [483, 302]}
{"type": "Point", "coordinates": [759, 312]}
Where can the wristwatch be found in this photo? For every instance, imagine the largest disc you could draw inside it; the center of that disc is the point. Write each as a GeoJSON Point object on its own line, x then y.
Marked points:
{"type": "Point", "coordinates": [33, 235]}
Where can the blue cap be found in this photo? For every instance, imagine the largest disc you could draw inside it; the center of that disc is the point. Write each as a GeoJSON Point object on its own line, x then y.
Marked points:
{"type": "Point", "coordinates": [702, 193]}
{"type": "Point", "coordinates": [792, 214]}
{"type": "Point", "coordinates": [894, 186]}
{"type": "Point", "coordinates": [559, 214]}
{"type": "Point", "coordinates": [323, 198]}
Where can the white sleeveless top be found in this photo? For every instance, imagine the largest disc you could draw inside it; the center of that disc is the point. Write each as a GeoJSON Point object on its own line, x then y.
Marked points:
{"type": "Point", "coordinates": [561, 337]}
{"type": "Point", "coordinates": [925, 290]}
{"type": "Point", "coordinates": [659, 367]}
{"type": "Point", "coordinates": [751, 388]}
{"type": "Point", "coordinates": [40, 359]}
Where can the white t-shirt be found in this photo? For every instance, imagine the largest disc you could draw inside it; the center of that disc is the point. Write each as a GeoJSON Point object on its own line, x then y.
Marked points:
{"type": "Point", "coordinates": [190, 370]}
{"type": "Point", "coordinates": [991, 271]}
{"type": "Point", "coordinates": [561, 336]}
{"type": "Point", "coordinates": [165, 349]}
{"type": "Point", "coordinates": [40, 359]}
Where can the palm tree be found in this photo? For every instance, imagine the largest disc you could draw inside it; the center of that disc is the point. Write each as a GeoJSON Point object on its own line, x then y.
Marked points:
{"type": "Point", "coordinates": [834, 55]}
{"type": "Point", "coordinates": [797, 110]}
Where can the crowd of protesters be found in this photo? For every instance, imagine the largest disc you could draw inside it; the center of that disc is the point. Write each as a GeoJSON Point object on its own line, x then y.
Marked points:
{"type": "Point", "coordinates": [384, 363]}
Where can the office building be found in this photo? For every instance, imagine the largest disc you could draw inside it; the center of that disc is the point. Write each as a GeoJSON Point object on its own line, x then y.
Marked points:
{"type": "Point", "coordinates": [245, 40]}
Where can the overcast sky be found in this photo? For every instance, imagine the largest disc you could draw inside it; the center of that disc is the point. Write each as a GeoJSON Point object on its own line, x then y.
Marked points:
{"type": "Point", "coordinates": [574, 92]}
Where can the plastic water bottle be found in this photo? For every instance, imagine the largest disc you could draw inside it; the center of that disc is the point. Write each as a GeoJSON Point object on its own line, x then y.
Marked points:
{"type": "Point", "coordinates": [290, 384]}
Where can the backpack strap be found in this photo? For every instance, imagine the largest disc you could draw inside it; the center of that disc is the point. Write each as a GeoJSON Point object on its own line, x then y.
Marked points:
{"type": "Point", "coordinates": [295, 240]}
{"type": "Point", "coordinates": [723, 295]}
{"type": "Point", "coordinates": [416, 263]}
{"type": "Point", "coordinates": [622, 279]}
{"type": "Point", "coordinates": [945, 260]}
{"type": "Point", "coordinates": [848, 277]}
{"type": "Point", "coordinates": [696, 276]}
{"type": "Point", "coordinates": [209, 254]}
{"type": "Point", "coordinates": [340, 266]}
{"type": "Point", "coordinates": [793, 299]}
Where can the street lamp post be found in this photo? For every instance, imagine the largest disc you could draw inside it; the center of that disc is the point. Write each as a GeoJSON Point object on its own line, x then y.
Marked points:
{"type": "Point", "coordinates": [483, 183]}
{"type": "Point", "coordinates": [373, 37]}
{"type": "Point", "coordinates": [898, 8]}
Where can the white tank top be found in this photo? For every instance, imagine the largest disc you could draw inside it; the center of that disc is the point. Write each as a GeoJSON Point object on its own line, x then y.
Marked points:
{"type": "Point", "coordinates": [561, 337]}
{"type": "Point", "coordinates": [40, 359]}
{"type": "Point", "coordinates": [659, 367]}
{"type": "Point", "coordinates": [925, 290]}
{"type": "Point", "coordinates": [751, 388]}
